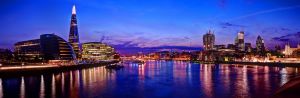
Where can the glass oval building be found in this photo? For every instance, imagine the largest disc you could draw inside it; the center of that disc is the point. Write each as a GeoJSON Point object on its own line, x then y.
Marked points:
{"type": "Point", "coordinates": [48, 47]}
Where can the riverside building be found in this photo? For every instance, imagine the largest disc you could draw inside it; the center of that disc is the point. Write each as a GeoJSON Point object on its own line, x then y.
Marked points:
{"type": "Point", "coordinates": [48, 47]}
{"type": "Point", "coordinates": [97, 51]}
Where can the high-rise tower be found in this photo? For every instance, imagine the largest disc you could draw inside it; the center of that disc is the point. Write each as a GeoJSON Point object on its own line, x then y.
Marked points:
{"type": "Point", "coordinates": [240, 43]}
{"type": "Point", "coordinates": [208, 41]}
{"type": "Point", "coordinates": [260, 45]}
{"type": "Point", "coordinates": [73, 35]}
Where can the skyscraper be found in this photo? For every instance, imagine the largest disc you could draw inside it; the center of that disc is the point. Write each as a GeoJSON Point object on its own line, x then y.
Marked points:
{"type": "Point", "coordinates": [248, 47]}
{"type": "Point", "coordinates": [208, 40]}
{"type": "Point", "coordinates": [240, 43]}
{"type": "Point", "coordinates": [260, 45]}
{"type": "Point", "coordinates": [73, 35]}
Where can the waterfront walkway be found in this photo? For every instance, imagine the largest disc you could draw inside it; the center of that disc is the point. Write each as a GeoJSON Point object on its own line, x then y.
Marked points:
{"type": "Point", "coordinates": [27, 67]}
{"type": "Point", "coordinates": [8, 71]}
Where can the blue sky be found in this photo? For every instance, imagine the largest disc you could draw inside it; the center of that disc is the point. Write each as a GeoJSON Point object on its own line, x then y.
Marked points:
{"type": "Point", "coordinates": [152, 23]}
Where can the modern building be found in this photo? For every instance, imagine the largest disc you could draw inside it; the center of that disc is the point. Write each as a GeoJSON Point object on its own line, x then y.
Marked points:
{"type": "Point", "coordinates": [260, 45]}
{"type": "Point", "coordinates": [217, 47]}
{"type": "Point", "coordinates": [248, 47]}
{"type": "Point", "coordinates": [231, 46]}
{"type": "Point", "coordinates": [97, 51]}
{"type": "Point", "coordinates": [240, 41]}
{"type": "Point", "coordinates": [5, 55]}
{"type": "Point", "coordinates": [29, 50]}
{"type": "Point", "coordinates": [54, 47]}
{"type": "Point", "coordinates": [73, 34]}
{"type": "Point", "coordinates": [48, 47]}
{"type": "Point", "coordinates": [208, 41]}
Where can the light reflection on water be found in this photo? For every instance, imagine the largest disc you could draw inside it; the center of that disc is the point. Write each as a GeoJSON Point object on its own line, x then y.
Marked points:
{"type": "Point", "coordinates": [153, 79]}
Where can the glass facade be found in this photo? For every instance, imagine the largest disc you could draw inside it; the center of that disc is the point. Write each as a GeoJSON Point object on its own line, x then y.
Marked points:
{"type": "Point", "coordinates": [55, 48]}
{"type": "Point", "coordinates": [48, 47]}
{"type": "Point", "coordinates": [73, 35]}
{"type": "Point", "coordinates": [28, 50]}
{"type": "Point", "coordinates": [97, 51]}
{"type": "Point", "coordinates": [209, 41]}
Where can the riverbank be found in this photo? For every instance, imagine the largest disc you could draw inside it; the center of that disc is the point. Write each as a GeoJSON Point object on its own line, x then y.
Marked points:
{"type": "Point", "coordinates": [44, 69]}
{"type": "Point", "coordinates": [277, 64]}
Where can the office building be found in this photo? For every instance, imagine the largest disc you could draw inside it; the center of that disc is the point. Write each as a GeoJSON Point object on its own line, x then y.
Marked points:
{"type": "Point", "coordinates": [48, 47]}
{"type": "Point", "coordinates": [248, 47]}
{"type": "Point", "coordinates": [73, 34]}
{"type": "Point", "coordinates": [240, 43]}
{"type": "Point", "coordinates": [208, 41]}
{"type": "Point", "coordinates": [54, 47]}
{"type": "Point", "coordinates": [5, 55]}
{"type": "Point", "coordinates": [260, 45]}
{"type": "Point", "coordinates": [29, 50]}
{"type": "Point", "coordinates": [97, 51]}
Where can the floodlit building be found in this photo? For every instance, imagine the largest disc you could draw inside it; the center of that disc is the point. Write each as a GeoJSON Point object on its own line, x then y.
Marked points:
{"type": "Point", "coordinates": [208, 41]}
{"type": "Point", "coordinates": [288, 50]}
{"type": "Point", "coordinates": [240, 41]}
{"type": "Point", "coordinates": [97, 51]}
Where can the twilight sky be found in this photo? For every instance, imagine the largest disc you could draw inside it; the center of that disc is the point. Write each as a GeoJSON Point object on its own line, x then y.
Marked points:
{"type": "Point", "coordinates": [130, 25]}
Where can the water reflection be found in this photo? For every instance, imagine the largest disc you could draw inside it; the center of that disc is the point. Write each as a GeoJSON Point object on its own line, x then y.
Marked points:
{"type": "Point", "coordinates": [153, 79]}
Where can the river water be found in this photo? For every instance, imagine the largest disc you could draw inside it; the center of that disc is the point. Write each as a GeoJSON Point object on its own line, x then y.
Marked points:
{"type": "Point", "coordinates": [154, 79]}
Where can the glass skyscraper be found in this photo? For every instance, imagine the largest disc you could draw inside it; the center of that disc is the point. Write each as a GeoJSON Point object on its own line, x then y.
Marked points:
{"type": "Point", "coordinates": [208, 41]}
{"type": "Point", "coordinates": [73, 35]}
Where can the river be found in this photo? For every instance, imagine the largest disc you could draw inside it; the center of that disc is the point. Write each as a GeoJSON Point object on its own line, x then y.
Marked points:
{"type": "Point", "coordinates": [159, 79]}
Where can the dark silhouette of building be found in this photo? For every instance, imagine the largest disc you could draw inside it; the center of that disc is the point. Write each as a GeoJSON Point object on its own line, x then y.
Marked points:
{"type": "Point", "coordinates": [217, 47]}
{"type": "Point", "coordinates": [54, 47]}
{"type": "Point", "coordinates": [277, 48]}
{"type": "Point", "coordinates": [73, 34]}
{"type": "Point", "coordinates": [5, 55]}
{"type": "Point", "coordinates": [231, 46]}
{"type": "Point", "coordinates": [260, 45]}
{"type": "Point", "coordinates": [248, 47]}
{"type": "Point", "coordinates": [208, 41]}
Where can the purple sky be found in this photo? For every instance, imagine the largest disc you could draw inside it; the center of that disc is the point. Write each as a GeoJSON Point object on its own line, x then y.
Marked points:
{"type": "Point", "coordinates": [133, 25]}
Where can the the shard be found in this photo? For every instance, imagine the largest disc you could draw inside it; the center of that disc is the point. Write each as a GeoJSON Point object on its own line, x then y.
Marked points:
{"type": "Point", "coordinates": [73, 35]}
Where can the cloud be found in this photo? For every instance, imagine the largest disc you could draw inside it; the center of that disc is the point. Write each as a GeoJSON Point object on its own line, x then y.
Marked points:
{"type": "Point", "coordinates": [293, 38]}
{"type": "Point", "coordinates": [227, 25]}
{"type": "Point", "coordinates": [265, 12]}
{"type": "Point", "coordinates": [285, 29]}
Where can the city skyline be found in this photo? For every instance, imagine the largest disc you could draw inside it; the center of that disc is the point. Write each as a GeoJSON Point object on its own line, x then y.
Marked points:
{"type": "Point", "coordinates": [149, 48]}
{"type": "Point", "coordinates": [121, 24]}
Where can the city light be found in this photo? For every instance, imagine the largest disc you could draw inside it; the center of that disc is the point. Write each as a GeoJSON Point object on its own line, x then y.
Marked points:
{"type": "Point", "coordinates": [149, 48]}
